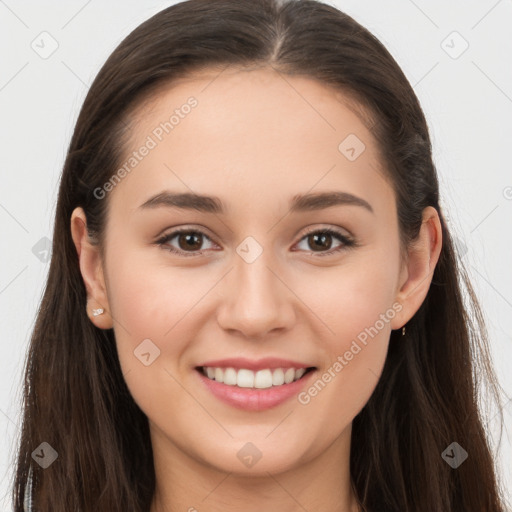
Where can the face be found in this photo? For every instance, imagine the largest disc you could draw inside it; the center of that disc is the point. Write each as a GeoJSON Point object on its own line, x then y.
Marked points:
{"type": "Point", "coordinates": [294, 263]}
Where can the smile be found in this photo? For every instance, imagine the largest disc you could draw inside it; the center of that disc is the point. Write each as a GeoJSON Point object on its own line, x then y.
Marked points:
{"type": "Point", "coordinates": [252, 390]}
{"type": "Point", "coordinates": [261, 379]}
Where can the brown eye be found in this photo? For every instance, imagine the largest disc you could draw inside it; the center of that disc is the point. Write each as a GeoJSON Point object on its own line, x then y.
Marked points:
{"type": "Point", "coordinates": [189, 242]}
{"type": "Point", "coordinates": [323, 241]}
{"type": "Point", "coordinates": [320, 242]}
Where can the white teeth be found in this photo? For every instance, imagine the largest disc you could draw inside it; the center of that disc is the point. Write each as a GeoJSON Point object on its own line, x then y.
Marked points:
{"type": "Point", "coordinates": [299, 373]}
{"type": "Point", "coordinates": [278, 377]}
{"type": "Point", "coordinates": [261, 379]}
{"type": "Point", "coordinates": [289, 375]}
{"type": "Point", "coordinates": [230, 377]}
{"type": "Point", "coordinates": [245, 379]}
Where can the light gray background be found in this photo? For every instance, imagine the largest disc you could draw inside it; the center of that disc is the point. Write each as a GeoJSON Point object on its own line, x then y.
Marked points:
{"type": "Point", "coordinates": [467, 100]}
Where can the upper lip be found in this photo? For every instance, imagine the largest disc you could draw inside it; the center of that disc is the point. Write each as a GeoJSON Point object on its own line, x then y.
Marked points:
{"type": "Point", "coordinates": [255, 365]}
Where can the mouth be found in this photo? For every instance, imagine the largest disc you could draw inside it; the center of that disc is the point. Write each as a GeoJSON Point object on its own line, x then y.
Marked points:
{"type": "Point", "coordinates": [254, 390]}
{"type": "Point", "coordinates": [250, 379]}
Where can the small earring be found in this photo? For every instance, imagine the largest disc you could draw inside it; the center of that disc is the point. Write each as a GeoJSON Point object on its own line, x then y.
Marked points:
{"type": "Point", "coordinates": [98, 311]}
{"type": "Point", "coordinates": [403, 330]}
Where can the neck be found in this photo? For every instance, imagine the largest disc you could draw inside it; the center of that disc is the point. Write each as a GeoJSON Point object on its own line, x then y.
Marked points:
{"type": "Point", "coordinates": [185, 484]}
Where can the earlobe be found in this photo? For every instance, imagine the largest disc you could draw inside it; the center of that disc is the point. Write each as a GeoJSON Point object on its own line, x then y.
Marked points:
{"type": "Point", "coordinates": [91, 268]}
{"type": "Point", "coordinates": [423, 255]}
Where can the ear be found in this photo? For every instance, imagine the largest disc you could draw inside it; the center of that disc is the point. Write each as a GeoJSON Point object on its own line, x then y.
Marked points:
{"type": "Point", "coordinates": [91, 268]}
{"type": "Point", "coordinates": [417, 271]}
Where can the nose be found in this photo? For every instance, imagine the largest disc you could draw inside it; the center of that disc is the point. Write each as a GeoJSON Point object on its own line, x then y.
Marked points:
{"type": "Point", "coordinates": [257, 300]}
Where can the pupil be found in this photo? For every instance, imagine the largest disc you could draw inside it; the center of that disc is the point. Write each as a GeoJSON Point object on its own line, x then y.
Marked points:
{"type": "Point", "coordinates": [188, 238]}
{"type": "Point", "coordinates": [323, 240]}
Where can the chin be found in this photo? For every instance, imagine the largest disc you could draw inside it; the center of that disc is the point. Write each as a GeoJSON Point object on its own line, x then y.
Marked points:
{"type": "Point", "coordinates": [256, 458]}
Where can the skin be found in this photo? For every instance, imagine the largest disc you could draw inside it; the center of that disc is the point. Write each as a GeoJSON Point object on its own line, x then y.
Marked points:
{"type": "Point", "coordinates": [255, 140]}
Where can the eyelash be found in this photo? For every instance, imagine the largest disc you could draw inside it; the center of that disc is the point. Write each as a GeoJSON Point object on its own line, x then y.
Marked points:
{"type": "Point", "coordinates": [347, 242]}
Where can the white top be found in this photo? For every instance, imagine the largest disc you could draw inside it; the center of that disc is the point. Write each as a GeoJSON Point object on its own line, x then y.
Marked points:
{"type": "Point", "coordinates": [27, 498]}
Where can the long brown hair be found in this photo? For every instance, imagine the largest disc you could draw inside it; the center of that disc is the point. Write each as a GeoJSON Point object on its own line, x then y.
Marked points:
{"type": "Point", "coordinates": [75, 397]}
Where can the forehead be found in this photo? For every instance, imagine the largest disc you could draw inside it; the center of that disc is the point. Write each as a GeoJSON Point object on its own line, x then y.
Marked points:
{"type": "Point", "coordinates": [250, 134]}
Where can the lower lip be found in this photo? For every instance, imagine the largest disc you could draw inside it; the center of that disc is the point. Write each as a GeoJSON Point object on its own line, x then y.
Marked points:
{"type": "Point", "coordinates": [251, 399]}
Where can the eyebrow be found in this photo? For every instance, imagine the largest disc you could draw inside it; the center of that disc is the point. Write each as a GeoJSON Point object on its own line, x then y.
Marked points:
{"type": "Point", "coordinates": [212, 204]}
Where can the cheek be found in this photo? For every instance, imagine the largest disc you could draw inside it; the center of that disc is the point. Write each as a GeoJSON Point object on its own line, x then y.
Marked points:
{"type": "Point", "coordinates": [149, 301]}
{"type": "Point", "coordinates": [352, 298]}
{"type": "Point", "coordinates": [355, 305]}
{"type": "Point", "coordinates": [147, 294]}
{"type": "Point", "coordinates": [152, 308]}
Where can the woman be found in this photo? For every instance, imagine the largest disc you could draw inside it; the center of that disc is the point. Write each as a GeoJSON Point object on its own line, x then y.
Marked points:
{"type": "Point", "coordinates": [254, 301]}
